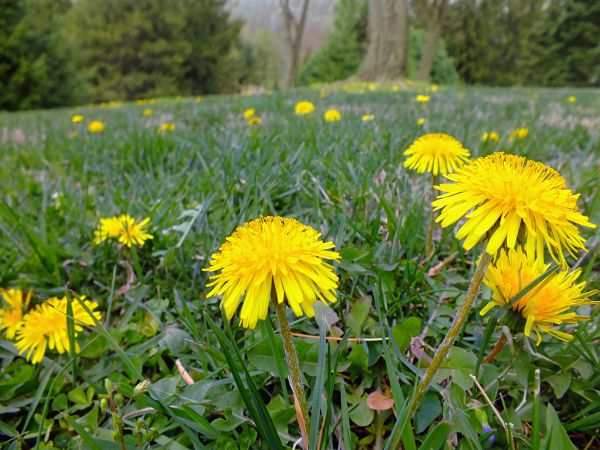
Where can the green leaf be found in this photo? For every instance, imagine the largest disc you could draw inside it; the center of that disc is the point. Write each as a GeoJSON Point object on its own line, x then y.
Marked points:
{"type": "Point", "coordinates": [358, 316]}
{"type": "Point", "coordinates": [556, 436]}
{"type": "Point", "coordinates": [436, 437]}
{"type": "Point", "coordinates": [360, 413]}
{"type": "Point", "coordinates": [560, 383]}
{"type": "Point", "coordinates": [428, 411]}
{"type": "Point", "coordinates": [247, 438]}
{"type": "Point", "coordinates": [405, 331]}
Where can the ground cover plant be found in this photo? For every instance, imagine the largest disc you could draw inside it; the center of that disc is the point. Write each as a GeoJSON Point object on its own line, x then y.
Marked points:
{"type": "Point", "coordinates": [111, 214]}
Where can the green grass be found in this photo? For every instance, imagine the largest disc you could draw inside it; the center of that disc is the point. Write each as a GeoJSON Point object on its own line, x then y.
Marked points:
{"type": "Point", "coordinates": [345, 179]}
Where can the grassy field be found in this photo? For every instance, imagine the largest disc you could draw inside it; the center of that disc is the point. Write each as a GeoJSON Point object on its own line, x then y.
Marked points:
{"type": "Point", "coordinates": [345, 179]}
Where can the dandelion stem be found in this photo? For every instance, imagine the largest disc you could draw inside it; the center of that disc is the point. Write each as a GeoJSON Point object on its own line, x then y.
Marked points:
{"type": "Point", "coordinates": [429, 247]}
{"type": "Point", "coordinates": [294, 374]}
{"type": "Point", "coordinates": [455, 328]}
{"type": "Point", "coordinates": [497, 349]}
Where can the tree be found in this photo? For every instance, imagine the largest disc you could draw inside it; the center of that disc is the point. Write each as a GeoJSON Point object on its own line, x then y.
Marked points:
{"type": "Point", "coordinates": [436, 10]}
{"type": "Point", "coordinates": [36, 68]}
{"type": "Point", "coordinates": [344, 48]}
{"type": "Point", "coordinates": [294, 31]}
{"type": "Point", "coordinates": [144, 48]}
{"type": "Point", "coordinates": [388, 40]}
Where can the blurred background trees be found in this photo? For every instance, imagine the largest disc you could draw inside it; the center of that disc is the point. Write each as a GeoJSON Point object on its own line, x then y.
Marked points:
{"type": "Point", "coordinates": [61, 52]}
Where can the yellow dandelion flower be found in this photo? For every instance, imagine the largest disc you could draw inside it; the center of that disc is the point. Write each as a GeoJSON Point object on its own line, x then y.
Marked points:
{"type": "Point", "coordinates": [395, 88]}
{"type": "Point", "coordinates": [368, 117]}
{"type": "Point", "coordinates": [132, 232]}
{"type": "Point", "coordinates": [545, 306]}
{"type": "Point", "coordinates": [434, 88]}
{"type": "Point", "coordinates": [14, 305]}
{"type": "Point", "coordinates": [267, 253]}
{"type": "Point", "coordinates": [148, 112]}
{"type": "Point", "coordinates": [45, 327]}
{"type": "Point", "coordinates": [167, 127]}
{"type": "Point", "coordinates": [254, 121]}
{"type": "Point", "coordinates": [490, 136]}
{"type": "Point", "coordinates": [512, 197]}
{"type": "Point", "coordinates": [422, 98]}
{"type": "Point", "coordinates": [436, 153]}
{"type": "Point", "coordinates": [421, 121]}
{"type": "Point", "coordinates": [108, 228]}
{"type": "Point", "coordinates": [332, 115]}
{"type": "Point", "coordinates": [77, 118]}
{"type": "Point", "coordinates": [96, 126]}
{"type": "Point", "coordinates": [198, 98]}
{"type": "Point", "coordinates": [519, 133]}
{"type": "Point", "coordinates": [571, 99]}
{"type": "Point", "coordinates": [303, 108]}
{"type": "Point", "coordinates": [249, 113]}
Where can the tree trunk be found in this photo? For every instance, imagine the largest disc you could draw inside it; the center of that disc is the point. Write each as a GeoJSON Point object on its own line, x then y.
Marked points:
{"type": "Point", "coordinates": [294, 31]}
{"type": "Point", "coordinates": [434, 31]}
{"type": "Point", "coordinates": [388, 40]}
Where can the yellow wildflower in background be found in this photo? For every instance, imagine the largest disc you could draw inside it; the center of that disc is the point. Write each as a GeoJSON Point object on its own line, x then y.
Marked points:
{"type": "Point", "coordinates": [167, 127]}
{"type": "Point", "coordinates": [571, 99]}
{"type": "Point", "coordinates": [545, 306]}
{"type": "Point", "coordinates": [436, 153]}
{"type": "Point", "coordinates": [511, 196]}
{"type": "Point", "coordinates": [368, 117]}
{"type": "Point", "coordinates": [303, 108]}
{"type": "Point", "coordinates": [77, 118]}
{"type": "Point", "coordinates": [14, 304]}
{"type": "Point", "coordinates": [46, 327]}
{"type": "Point", "coordinates": [249, 113]}
{"type": "Point", "coordinates": [519, 133]}
{"type": "Point", "coordinates": [420, 121]}
{"type": "Point", "coordinates": [422, 98]}
{"type": "Point", "coordinates": [332, 115]}
{"type": "Point", "coordinates": [133, 232]}
{"type": "Point", "coordinates": [96, 126]}
{"type": "Point", "coordinates": [148, 112]}
{"type": "Point", "coordinates": [254, 121]}
{"type": "Point", "coordinates": [198, 99]}
{"type": "Point", "coordinates": [108, 228]}
{"type": "Point", "coordinates": [272, 253]}
{"type": "Point", "coordinates": [490, 136]}
{"type": "Point", "coordinates": [434, 88]}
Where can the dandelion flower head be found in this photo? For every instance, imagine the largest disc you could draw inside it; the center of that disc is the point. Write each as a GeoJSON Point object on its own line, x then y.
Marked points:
{"type": "Point", "coordinates": [96, 126]}
{"type": "Point", "coordinates": [272, 253]}
{"type": "Point", "coordinates": [303, 108]}
{"type": "Point", "coordinates": [45, 327]}
{"type": "Point", "coordinates": [148, 112]}
{"type": "Point", "coordinates": [332, 115]}
{"type": "Point", "coordinates": [547, 305]}
{"type": "Point", "coordinates": [422, 98]}
{"type": "Point", "coordinates": [77, 118]}
{"type": "Point", "coordinates": [14, 304]}
{"type": "Point", "coordinates": [490, 136]}
{"type": "Point", "coordinates": [512, 197]}
{"type": "Point", "coordinates": [133, 232]}
{"type": "Point", "coordinates": [368, 117]}
{"type": "Point", "coordinates": [572, 99]}
{"type": "Point", "coordinates": [167, 127]}
{"type": "Point", "coordinates": [249, 113]}
{"type": "Point", "coordinates": [519, 133]}
{"type": "Point", "coordinates": [420, 121]}
{"type": "Point", "coordinates": [254, 121]}
{"type": "Point", "coordinates": [108, 228]}
{"type": "Point", "coordinates": [437, 153]}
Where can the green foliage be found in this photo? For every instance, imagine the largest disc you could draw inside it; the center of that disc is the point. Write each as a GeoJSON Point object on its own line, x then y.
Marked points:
{"type": "Point", "coordinates": [344, 48]}
{"type": "Point", "coordinates": [346, 44]}
{"type": "Point", "coordinates": [346, 179]}
{"type": "Point", "coordinates": [535, 42]}
{"type": "Point", "coordinates": [443, 70]}
{"type": "Point", "coordinates": [130, 49]}
{"type": "Point", "coordinates": [36, 69]}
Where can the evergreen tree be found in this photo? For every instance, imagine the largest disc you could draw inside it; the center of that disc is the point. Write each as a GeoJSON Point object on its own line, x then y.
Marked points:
{"type": "Point", "coordinates": [36, 69]}
{"type": "Point", "coordinates": [344, 49]}
{"type": "Point", "coordinates": [144, 48]}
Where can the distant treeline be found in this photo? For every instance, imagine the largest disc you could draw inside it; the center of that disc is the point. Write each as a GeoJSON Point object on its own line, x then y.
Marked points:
{"type": "Point", "coordinates": [62, 52]}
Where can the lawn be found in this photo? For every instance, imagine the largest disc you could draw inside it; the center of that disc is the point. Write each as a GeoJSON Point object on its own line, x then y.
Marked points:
{"type": "Point", "coordinates": [346, 179]}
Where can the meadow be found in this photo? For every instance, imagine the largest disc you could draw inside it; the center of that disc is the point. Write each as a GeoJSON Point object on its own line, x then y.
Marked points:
{"type": "Point", "coordinates": [214, 384]}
